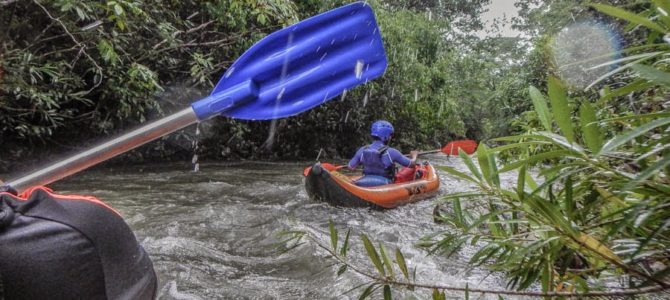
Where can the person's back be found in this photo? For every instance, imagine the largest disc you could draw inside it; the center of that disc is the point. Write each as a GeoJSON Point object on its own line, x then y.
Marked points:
{"type": "Point", "coordinates": [69, 247]}
{"type": "Point", "coordinates": [378, 159]}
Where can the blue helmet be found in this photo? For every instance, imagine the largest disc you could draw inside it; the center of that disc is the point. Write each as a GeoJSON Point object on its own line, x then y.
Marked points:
{"type": "Point", "coordinates": [382, 130]}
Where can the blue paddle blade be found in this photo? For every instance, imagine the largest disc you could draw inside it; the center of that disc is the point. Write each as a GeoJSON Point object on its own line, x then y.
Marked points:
{"type": "Point", "coordinates": [300, 67]}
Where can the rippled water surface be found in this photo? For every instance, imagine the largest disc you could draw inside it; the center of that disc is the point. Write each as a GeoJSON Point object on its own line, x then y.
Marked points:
{"type": "Point", "coordinates": [211, 234]}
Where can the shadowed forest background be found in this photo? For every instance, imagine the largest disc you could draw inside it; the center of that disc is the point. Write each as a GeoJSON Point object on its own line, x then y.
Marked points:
{"type": "Point", "coordinates": [73, 72]}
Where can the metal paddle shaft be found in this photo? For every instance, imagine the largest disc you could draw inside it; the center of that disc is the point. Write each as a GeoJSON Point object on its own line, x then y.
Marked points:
{"type": "Point", "coordinates": [427, 152]}
{"type": "Point", "coordinates": [106, 150]}
{"type": "Point", "coordinates": [451, 148]}
{"type": "Point", "coordinates": [285, 73]}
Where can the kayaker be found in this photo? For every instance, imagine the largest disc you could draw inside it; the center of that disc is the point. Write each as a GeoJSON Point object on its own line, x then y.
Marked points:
{"type": "Point", "coordinates": [68, 247]}
{"type": "Point", "coordinates": [378, 158]}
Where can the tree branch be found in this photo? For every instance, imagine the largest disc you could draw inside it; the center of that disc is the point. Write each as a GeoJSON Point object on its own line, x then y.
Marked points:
{"type": "Point", "coordinates": [7, 2]}
{"type": "Point", "coordinates": [387, 280]}
{"type": "Point", "coordinates": [82, 47]}
{"type": "Point", "coordinates": [176, 33]}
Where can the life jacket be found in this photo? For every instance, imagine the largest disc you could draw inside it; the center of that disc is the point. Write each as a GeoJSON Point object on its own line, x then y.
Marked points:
{"type": "Point", "coordinates": [373, 164]}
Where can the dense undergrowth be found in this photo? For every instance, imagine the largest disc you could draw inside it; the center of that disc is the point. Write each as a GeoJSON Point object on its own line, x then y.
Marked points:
{"type": "Point", "coordinates": [592, 219]}
{"type": "Point", "coordinates": [74, 72]}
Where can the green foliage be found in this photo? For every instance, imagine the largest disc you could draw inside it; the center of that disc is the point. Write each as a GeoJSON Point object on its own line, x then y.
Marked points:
{"type": "Point", "coordinates": [541, 108]}
{"type": "Point", "coordinates": [592, 135]}
{"type": "Point", "coordinates": [400, 259]}
{"type": "Point", "coordinates": [590, 200]}
{"type": "Point", "coordinates": [76, 70]}
{"type": "Point", "coordinates": [559, 104]}
{"type": "Point", "coordinates": [595, 214]}
{"type": "Point", "coordinates": [629, 16]}
{"type": "Point", "coordinates": [426, 92]}
{"type": "Point", "coordinates": [580, 220]}
{"type": "Point", "coordinates": [372, 253]}
{"type": "Point", "coordinates": [438, 295]}
{"type": "Point", "coordinates": [333, 235]}
{"type": "Point", "coordinates": [378, 257]}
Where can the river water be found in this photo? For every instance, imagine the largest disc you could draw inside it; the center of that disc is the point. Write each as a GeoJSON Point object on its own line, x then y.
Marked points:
{"type": "Point", "coordinates": [212, 234]}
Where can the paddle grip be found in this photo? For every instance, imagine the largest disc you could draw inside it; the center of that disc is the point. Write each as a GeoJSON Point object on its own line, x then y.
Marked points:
{"type": "Point", "coordinates": [216, 104]}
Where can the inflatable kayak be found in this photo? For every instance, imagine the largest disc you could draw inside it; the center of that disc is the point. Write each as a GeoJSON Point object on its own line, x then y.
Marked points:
{"type": "Point", "coordinates": [324, 183]}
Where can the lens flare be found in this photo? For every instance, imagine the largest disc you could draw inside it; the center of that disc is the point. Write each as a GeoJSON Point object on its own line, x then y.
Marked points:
{"type": "Point", "coordinates": [580, 52]}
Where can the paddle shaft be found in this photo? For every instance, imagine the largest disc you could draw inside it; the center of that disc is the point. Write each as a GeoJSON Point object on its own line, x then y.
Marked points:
{"type": "Point", "coordinates": [429, 152]}
{"type": "Point", "coordinates": [107, 150]}
{"type": "Point", "coordinates": [285, 73]}
{"type": "Point", "coordinates": [448, 149]}
{"type": "Point", "coordinates": [425, 152]}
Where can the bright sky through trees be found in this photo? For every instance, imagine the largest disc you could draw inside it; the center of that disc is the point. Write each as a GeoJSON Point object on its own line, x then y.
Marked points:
{"type": "Point", "coordinates": [500, 9]}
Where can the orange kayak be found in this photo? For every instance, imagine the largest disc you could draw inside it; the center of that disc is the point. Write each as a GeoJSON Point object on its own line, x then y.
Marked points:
{"type": "Point", "coordinates": [324, 183]}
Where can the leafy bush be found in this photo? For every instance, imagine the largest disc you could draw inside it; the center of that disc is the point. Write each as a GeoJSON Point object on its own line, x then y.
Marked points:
{"type": "Point", "coordinates": [74, 71]}
{"type": "Point", "coordinates": [588, 214]}
{"type": "Point", "coordinates": [599, 210]}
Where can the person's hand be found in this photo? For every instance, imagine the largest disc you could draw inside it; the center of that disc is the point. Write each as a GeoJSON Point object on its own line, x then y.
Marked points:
{"type": "Point", "coordinates": [7, 188]}
{"type": "Point", "coordinates": [413, 154]}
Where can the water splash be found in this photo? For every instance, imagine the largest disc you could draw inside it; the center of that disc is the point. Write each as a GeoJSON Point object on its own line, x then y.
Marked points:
{"type": "Point", "coordinates": [344, 94]}
{"type": "Point", "coordinates": [358, 69]}
{"type": "Point", "coordinates": [365, 99]}
{"type": "Point", "coordinates": [279, 53]}
{"type": "Point", "coordinates": [194, 160]}
{"type": "Point", "coordinates": [441, 109]}
{"type": "Point", "coordinates": [273, 126]}
{"type": "Point", "coordinates": [319, 155]}
{"type": "Point", "coordinates": [229, 72]}
{"type": "Point", "coordinates": [219, 220]}
{"type": "Point", "coordinates": [281, 94]}
{"type": "Point", "coordinates": [346, 117]}
{"type": "Point", "coordinates": [269, 142]}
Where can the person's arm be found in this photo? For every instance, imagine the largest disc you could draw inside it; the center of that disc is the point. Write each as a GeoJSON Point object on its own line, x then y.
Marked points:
{"type": "Point", "coordinates": [413, 155]}
{"type": "Point", "coordinates": [404, 161]}
{"type": "Point", "coordinates": [353, 163]}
